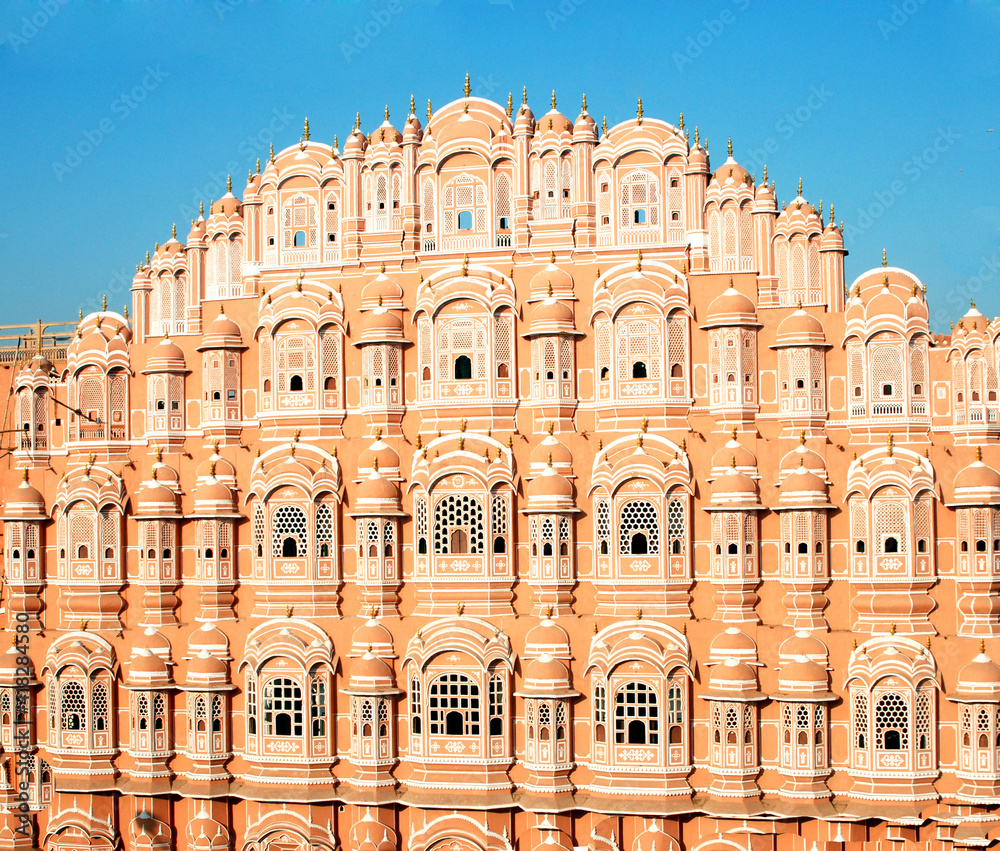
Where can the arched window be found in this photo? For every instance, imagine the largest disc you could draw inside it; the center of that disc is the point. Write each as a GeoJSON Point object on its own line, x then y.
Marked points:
{"type": "Point", "coordinates": [73, 706]}
{"type": "Point", "coordinates": [892, 722]}
{"type": "Point", "coordinates": [637, 719]}
{"type": "Point", "coordinates": [288, 531]}
{"type": "Point", "coordinates": [639, 529]}
{"type": "Point", "coordinates": [459, 521]}
{"type": "Point", "coordinates": [463, 368]}
{"type": "Point", "coordinates": [282, 706]}
{"type": "Point", "coordinates": [453, 706]}
{"type": "Point", "coordinates": [639, 199]}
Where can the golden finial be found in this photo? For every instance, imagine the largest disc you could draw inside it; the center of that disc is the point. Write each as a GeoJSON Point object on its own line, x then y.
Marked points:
{"type": "Point", "coordinates": [467, 89]}
{"type": "Point", "coordinates": [885, 262]}
{"type": "Point", "coordinates": [819, 210]}
{"type": "Point", "coordinates": [288, 610]}
{"type": "Point", "coordinates": [638, 613]}
{"type": "Point", "coordinates": [638, 260]}
{"type": "Point", "coordinates": [272, 152]}
{"type": "Point", "coordinates": [730, 146]}
{"type": "Point", "coordinates": [420, 441]}
{"type": "Point", "coordinates": [888, 444]}
{"type": "Point", "coordinates": [461, 443]}
{"type": "Point", "coordinates": [600, 443]}
{"type": "Point", "coordinates": [800, 187]}
{"type": "Point", "coordinates": [802, 437]}
{"type": "Point", "coordinates": [229, 183]}
{"type": "Point", "coordinates": [832, 222]}
{"type": "Point", "coordinates": [510, 104]}
{"type": "Point", "coordinates": [459, 608]}
{"type": "Point", "coordinates": [83, 625]}
{"type": "Point", "coordinates": [465, 266]}
{"type": "Point", "coordinates": [733, 433]}
{"type": "Point", "coordinates": [249, 175]}
{"type": "Point", "coordinates": [550, 428]}
{"type": "Point", "coordinates": [553, 101]}
{"type": "Point", "coordinates": [258, 161]}
{"type": "Point", "coordinates": [375, 464]}
{"type": "Point", "coordinates": [357, 121]}
{"type": "Point", "coordinates": [305, 129]}
{"type": "Point", "coordinates": [386, 112]}
{"type": "Point", "coordinates": [982, 646]}
{"type": "Point", "coordinates": [927, 643]}
{"type": "Point", "coordinates": [211, 469]}
{"type": "Point", "coordinates": [549, 462]}
{"type": "Point", "coordinates": [173, 231]}
{"type": "Point", "coordinates": [583, 106]}
{"type": "Point", "coordinates": [696, 135]}
{"type": "Point", "coordinates": [892, 629]}
{"type": "Point", "coordinates": [486, 455]}
{"type": "Point", "coordinates": [413, 105]}
{"type": "Point", "coordinates": [979, 454]}
{"type": "Point", "coordinates": [854, 644]}
{"type": "Point", "coordinates": [524, 95]}
{"type": "Point", "coordinates": [461, 426]}
{"type": "Point", "coordinates": [680, 124]}
{"type": "Point", "coordinates": [549, 289]}
{"type": "Point", "coordinates": [645, 425]}
{"type": "Point", "coordinates": [638, 440]}
{"type": "Point", "coordinates": [510, 441]}
{"type": "Point", "coordinates": [104, 302]}
{"type": "Point", "coordinates": [595, 628]}
{"type": "Point", "coordinates": [430, 111]}
{"type": "Point", "coordinates": [604, 125]}
{"type": "Point", "coordinates": [732, 462]}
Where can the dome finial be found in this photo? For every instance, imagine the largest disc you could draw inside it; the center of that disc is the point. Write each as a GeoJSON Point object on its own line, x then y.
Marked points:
{"type": "Point", "coordinates": [305, 129]}
{"type": "Point", "coordinates": [104, 302]}
{"type": "Point", "coordinates": [681, 124]}
{"type": "Point", "coordinates": [729, 146]}
{"type": "Point", "coordinates": [732, 462]}
{"type": "Point", "coordinates": [765, 174]}
{"type": "Point", "coordinates": [885, 262]}
{"type": "Point", "coordinates": [413, 105]}
{"type": "Point", "coordinates": [638, 111]}
{"type": "Point", "coordinates": [524, 95]}
{"type": "Point", "coordinates": [550, 428]}
{"type": "Point", "coordinates": [732, 434]}
{"type": "Point", "coordinates": [638, 260]}
{"type": "Point", "coordinates": [552, 257]}
{"type": "Point", "coordinates": [258, 163]}
{"type": "Point", "coordinates": [549, 290]}
{"type": "Point", "coordinates": [979, 453]}
{"type": "Point", "coordinates": [173, 231]}
{"type": "Point", "coordinates": [465, 266]}
{"type": "Point", "coordinates": [510, 104]}
{"type": "Point", "coordinates": [972, 302]}
{"type": "Point", "coordinates": [982, 645]}
{"type": "Point", "coordinates": [430, 110]}
{"type": "Point", "coordinates": [467, 89]}
{"type": "Point", "coordinates": [800, 187]}
{"type": "Point", "coordinates": [549, 462]}
{"type": "Point", "coordinates": [386, 112]}
{"type": "Point", "coordinates": [272, 152]}
{"type": "Point", "coordinates": [888, 444]}
{"type": "Point", "coordinates": [583, 107]}
{"type": "Point", "coordinates": [892, 629]}
{"type": "Point", "coordinates": [696, 135]}
{"type": "Point", "coordinates": [645, 425]}
{"type": "Point", "coordinates": [553, 101]}
{"type": "Point", "coordinates": [831, 214]}
{"type": "Point", "coordinates": [229, 183]}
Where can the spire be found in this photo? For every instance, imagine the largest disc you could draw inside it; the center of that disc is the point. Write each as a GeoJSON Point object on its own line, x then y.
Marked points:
{"type": "Point", "coordinates": [229, 183]}
{"type": "Point", "coordinates": [524, 96]}
{"type": "Point", "coordinates": [800, 187]}
{"type": "Point", "coordinates": [258, 165]}
{"type": "Point", "coordinates": [510, 104]}
{"type": "Point", "coordinates": [583, 107]}
{"type": "Point", "coordinates": [430, 111]}
{"type": "Point", "coordinates": [467, 89]}
{"type": "Point", "coordinates": [272, 152]}
{"type": "Point", "coordinates": [696, 135]}
{"type": "Point", "coordinates": [553, 101]}
{"type": "Point", "coordinates": [387, 112]}
{"type": "Point", "coordinates": [979, 454]}
{"type": "Point", "coordinates": [638, 111]}
{"type": "Point", "coordinates": [413, 105]}
{"type": "Point", "coordinates": [305, 129]}
{"type": "Point", "coordinates": [730, 146]}
{"type": "Point", "coordinates": [173, 231]}
{"type": "Point", "coordinates": [604, 125]}
{"type": "Point", "coordinates": [681, 124]}
{"type": "Point", "coordinates": [885, 262]}
{"type": "Point", "coordinates": [765, 173]}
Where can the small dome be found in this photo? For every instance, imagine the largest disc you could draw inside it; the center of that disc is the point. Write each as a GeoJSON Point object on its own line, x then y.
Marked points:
{"type": "Point", "coordinates": [10, 670]}
{"type": "Point", "coordinates": [550, 486]}
{"type": "Point", "coordinates": [802, 676]}
{"type": "Point", "coordinates": [166, 355]}
{"type": "Point", "coordinates": [552, 316]}
{"type": "Point", "coordinates": [525, 121]}
{"type": "Point", "coordinates": [977, 484]}
{"type": "Point", "coordinates": [355, 143]}
{"type": "Point", "coordinates": [207, 669]}
{"type": "Point", "coordinates": [698, 159]}
{"type": "Point", "coordinates": [733, 677]}
{"type": "Point", "coordinates": [382, 292]}
{"type": "Point", "coordinates": [155, 498]}
{"type": "Point", "coordinates": [376, 490]}
{"type": "Point", "coordinates": [223, 325]}
{"type": "Point", "coordinates": [379, 450]}
{"type": "Point", "coordinates": [147, 667]}
{"type": "Point", "coordinates": [371, 634]}
{"type": "Point", "coordinates": [800, 329]}
{"type": "Point", "coordinates": [735, 488]}
{"type": "Point", "coordinates": [734, 454]}
{"type": "Point", "coordinates": [211, 638]}
{"type": "Point", "coordinates": [803, 643]}
{"type": "Point", "coordinates": [731, 173]}
{"type": "Point", "coordinates": [979, 680]}
{"type": "Point", "coordinates": [546, 672]}
{"type": "Point", "coordinates": [552, 281]}
{"type": "Point", "coordinates": [735, 644]}
{"type": "Point", "coordinates": [25, 500]}
{"type": "Point", "coordinates": [413, 131]}
{"type": "Point", "coordinates": [548, 638]}
{"type": "Point", "coordinates": [562, 458]}
{"type": "Point", "coordinates": [213, 497]}
{"type": "Point", "coordinates": [585, 128]}
{"type": "Point", "coordinates": [381, 325]}
{"type": "Point", "coordinates": [731, 308]}
{"type": "Point", "coordinates": [802, 487]}
{"type": "Point", "coordinates": [40, 365]}
{"type": "Point", "coordinates": [370, 667]}
{"type": "Point", "coordinates": [221, 332]}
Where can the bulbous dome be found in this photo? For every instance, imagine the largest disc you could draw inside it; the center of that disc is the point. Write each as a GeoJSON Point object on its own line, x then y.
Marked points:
{"type": "Point", "coordinates": [221, 332]}
{"type": "Point", "coordinates": [734, 487]}
{"type": "Point", "coordinates": [382, 292]}
{"type": "Point", "coordinates": [549, 638]}
{"type": "Point", "coordinates": [802, 676]}
{"type": "Point", "coordinates": [698, 159]}
{"type": "Point", "coordinates": [371, 634]}
{"type": "Point", "coordinates": [157, 499]}
{"type": "Point", "coordinates": [25, 501]}
{"type": "Point", "coordinates": [525, 121]}
{"type": "Point", "coordinates": [735, 644]}
{"type": "Point", "coordinates": [383, 453]}
{"type": "Point", "coordinates": [552, 280]}
{"type": "Point", "coordinates": [800, 329]}
{"type": "Point", "coordinates": [10, 670]}
{"type": "Point", "coordinates": [550, 485]}
{"type": "Point", "coordinates": [979, 680]}
{"type": "Point", "coordinates": [803, 487]}
{"type": "Point", "coordinates": [376, 490]}
{"type": "Point", "coordinates": [546, 674]}
{"type": "Point", "coordinates": [733, 677]}
{"type": "Point", "coordinates": [731, 308]}
{"type": "Point", "coordinates": [977, 484]}
{"type": "Point", "coordinates": [166, 356]}
{"type": "Point", "coordinates": [207, 669]}
{"type": "Point", "coordinates": [732, 173]}
{"type": "Point", "coordinates": [355, 143]}
{"type": "Point", "coordinates": [213, 497]}
{"type": "Point", "coordinates": [734, 454]}
{"type": "Point", "coordinates": [148, 668]}
{"type": "Point", "coordinates": [552, 317]}
{"type": "Point", "coordinates": [562, 458]}
{"type": "Point", "coordinates": [381, 325]}
{"type": "Point", "coordinates": [803, 643]}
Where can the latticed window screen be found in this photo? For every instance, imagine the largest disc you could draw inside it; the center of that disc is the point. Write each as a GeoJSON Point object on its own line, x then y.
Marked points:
{"type": "Point", "coordinates": [677, 344]}
{"type": "Point", "coordinates": [604, 201]}
{"type": "Point", "coordinates": [502, 335]}
{"type": "Point", "coordinates": [332, 218]}
{"type": "Point", "coordinates": [109, 530]}
{"type": "Point", "coordinates": [324, 530]}
{"type": "Point", "coordinates": [639, 516]}
{"type": "Point", "coordinates": [600, 704]}
{"type": "Point", "coordinates": [730, 230]}
{"type": "Point", "coordinates": [503, 196]}
{"type": "Point", "coordinates": [922, 719]}
{"type": "Point", "coordinates": [251, 704]}
{"type": "Point", "coordinates": [499, 518]}
{"type": "Point", "coordinates": [257, 523]}
{"type": "Point", "coordinates": [715, 233]}
{"type": "Point", "coordinates": [892, 722]}
{"type": "Point", "coordinates": [296, 357]}
{"type": "Point", "coordinates": [453, 693]}
{"type": "Point", "coordinates": [918, 368]}
{"type": "Point", "coordinates": [73, 706]}
{"type": "Point", "coordinates": [639, 193]}
{"type": "Point", "coordinates": [92, 401]}
{"type": "Point", "coordinates": [636, 701]}
{"type": "Point", "coordinates": [463, 514]}
{"type": "Point", "coordinates": [100, 707]}
{"type": "Point", "coordinates": [421, 512]}
{"type": "Point", "coordinates": [675, 195]}
{"type": "Point", "coordinates": [604, 521]}
{"type": "Point", "coordinates": [282, 704]}
{"type": "Point", "coordinates": [891, 522]}
{"type": "Point", "coordinates": [427, 212]}
{"type": "Point", "coordinates": [859, 520]}
{"type": "Point", "coordinates": [676, 521]}
{"type": "Point", "coordinates": [265, 359]}
{"type": "Point", "coordinates": [563, 529]}
{"type": "Point", "coordinates": [603, 331]}
{"type": "Point", "coordinates": [288, 521]}
{"type": "Point", "coordinates": [317, 706]}
{"type": "Point", "coordinates": [746, 231]}
{"type": "Point", "coordinates": [886, 372]}
{"type": "Point", "coordinates": [639, 340]}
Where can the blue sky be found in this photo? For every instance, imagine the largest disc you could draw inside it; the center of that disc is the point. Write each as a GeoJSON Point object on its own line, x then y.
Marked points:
{"type": "Point", "coordinates": [117, 118]}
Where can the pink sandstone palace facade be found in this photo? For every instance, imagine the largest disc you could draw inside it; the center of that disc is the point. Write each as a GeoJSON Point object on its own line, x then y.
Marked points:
{"type": "Point", "coordinates": [497, 483]}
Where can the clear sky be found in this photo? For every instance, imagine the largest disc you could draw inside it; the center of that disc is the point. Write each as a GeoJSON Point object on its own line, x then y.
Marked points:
{"type": "Point", "coordinates": [118, 118]}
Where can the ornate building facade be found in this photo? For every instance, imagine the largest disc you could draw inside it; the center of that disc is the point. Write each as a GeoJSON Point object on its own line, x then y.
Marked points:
{"type": "Point", "coordinates": [498, 482]}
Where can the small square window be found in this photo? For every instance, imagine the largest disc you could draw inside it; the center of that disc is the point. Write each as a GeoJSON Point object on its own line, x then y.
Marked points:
{"type": "Point", "coordinates": [886, 389]}
{"type": "Point", "coordinates": [231, 395]}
